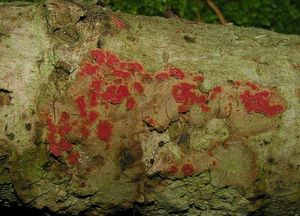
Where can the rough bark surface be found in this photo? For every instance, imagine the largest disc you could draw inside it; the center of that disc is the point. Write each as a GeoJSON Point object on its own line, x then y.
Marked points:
{"type": "Point", "coordinates": [103, 112]}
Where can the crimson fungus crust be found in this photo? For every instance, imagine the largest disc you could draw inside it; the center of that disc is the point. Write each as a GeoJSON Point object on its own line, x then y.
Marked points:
{"type": "Point", "coordinates": [81, 105]}
{"type": "Point", "coordinates": [187, 169]}
{"type": "Point", "coordinates": [173, 169]}
{"type": "Point", "coordinates": [198, 78]}
{"type": "Point", "coordinates": [73, 158]}
{"type": "Point", "coordinates": [138, 87]}
{"type": "Point", "coordinates": [98, 55]}
{"type": "Point", "coordinates": [176, 72]}
{"type": "Point", "coordinates": [162, 76]}
{"type": "Point", "coordinates": [130, 104]}
{"type": "Point", "coordinates": [104, 130]}
{"type": "Point", "coordinates": [260, 103]}
{"type": "Point", "coordinates": [120, 24]}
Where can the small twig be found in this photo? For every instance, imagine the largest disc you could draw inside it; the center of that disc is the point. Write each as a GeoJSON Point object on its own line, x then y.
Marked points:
{"type": "Point", "coordinates": [217, 11]}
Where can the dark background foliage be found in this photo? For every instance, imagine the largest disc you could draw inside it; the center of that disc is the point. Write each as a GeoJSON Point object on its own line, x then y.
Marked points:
{"type": "Point", "coordinates": [278, 15]}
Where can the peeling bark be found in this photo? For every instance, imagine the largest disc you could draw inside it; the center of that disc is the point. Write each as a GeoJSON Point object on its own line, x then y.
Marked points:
{"type": "Point", "coordinates": [103, 113]}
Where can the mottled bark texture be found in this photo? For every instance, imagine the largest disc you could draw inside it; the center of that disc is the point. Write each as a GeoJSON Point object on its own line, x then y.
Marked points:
{"type": "Point", "coordinates": [102, 112]}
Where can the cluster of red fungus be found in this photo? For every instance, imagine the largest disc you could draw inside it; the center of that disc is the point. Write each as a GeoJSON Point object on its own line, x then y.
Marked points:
{"type": "Point", "coordinates": [187, 169]}
{"type": "Point", "coordinates": [259, 100]}
{"type": "Point", "coordinates": [109, 81]}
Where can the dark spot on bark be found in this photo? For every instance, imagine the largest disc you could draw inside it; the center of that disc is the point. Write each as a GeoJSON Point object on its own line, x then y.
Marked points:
{"type": "Point", "coordinates": [152, 161]}
{"type": "Point", "coordinates": [271, 160]}
{"type": "Point", "coordinates": [184, 139]}
{"type": "Point", "coordinates": [98, 160]}
{"type": "Point", "coordinates": [81, 18]}
{"type": "Point", "coordinates": [189, 39]}
{"type": "Point", "coordinates": [100, 43]}
{"type": "Point", "coordinates": [5, 98]}
{"type": "Point", "coordinates": [130, 38]}
{"type": "Point", "coordinates": [126, 158]}
{"type": "Point", "coordinates": [291, 166]}
{"type": "Point", "coordinates": [28, 126]}
{"type": "Point", "coordinates": [63, 67]}
{"type": "Point", "coordinates": [161, 143]}
{"type": "Point", "coordinates": [10, 136]}
{"type": "Point", "coordinates": [266, 142]}
{"type": "Point", "coordinates": [126, 211]}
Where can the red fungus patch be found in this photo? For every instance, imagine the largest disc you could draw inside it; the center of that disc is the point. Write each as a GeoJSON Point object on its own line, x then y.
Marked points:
{"type": "Point", "coordinates": [64, 117]}
{"type": "Point", "coordinates": [111, 59]}
{"type": "Point", "coordinates": [173, 169]}
{"type": "Point", "coordinates": [98, 55]}
{"type": "Point", "coordinates": [162, 76]}
{"type": "Point", "coordinates": [138, 87]}
{"type": "Point", "coordinates": [118, 73]}
{"type": "Point", "coordinates": [176, 72]}
{"type": "Point", "coordinates": [93, 98]}
{"type": "Point", "coordinates": [104, 130]}
{"type": "Point", "coordinates": [81, 105]}
{"type": "Point", "coordinates": [73, 158]}
{"type": "Point", "coordinates": [135, 67]}
{"type": "Point", "coordinates": [90, 69]}
{"type": "Point", "coordinates": [116, 94]}
{"type": "Point", "coordinates": [185, 94]}
{"type": "Point", "coordinates": [187, 169]}
{"type": "Point", "coordinates": [198, 78]}
{"type": "Point", "coordinates": [55, 149]}
{"type": "Point", "coordinates": [64, 129]}
{"type": "Point", "coordinates": [93, 116]}
{"type": "Point", "coordinates": [95, 85]}
{"type": "Point", "coordinates": [215, 91]}
{"type": "Point", "coordinates": [259, 103]}
{"type": "Point", "coordinates": [130, 104]}
{"type": "Point", "coordinates": [65, 145]}
{"type": "Point", "coordinates": [253, 86]}
{"type": "Point", "coordinates": [120, 24]}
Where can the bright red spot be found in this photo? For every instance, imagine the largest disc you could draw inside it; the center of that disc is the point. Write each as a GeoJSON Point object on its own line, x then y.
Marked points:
{"type": "Point", "coordinates": [130, 104]}
{"type": "Point", "coordinates": [183, 92]}
{"type": "Point", "coordinates": [90, 69]}
{"type": "Point", "coordinates": [259, 102]}
{"type": "Point", "coordinates": [95, 85]}
{"type": "Point", "coordinates": [162, 76]}
{"type": "Point", "coordinates": [135, 66]}
{"type": "Point", "coordinates": [104, 130]}
{"type": "Point", "coordinates": [198, 78]}
{"type": "Point", "coordinates": [116, 94]}
{"type": "Point", "coordinates": [173, 169]}
{"type": "Point", "coordinates": [253, 86]}
{"type": "Point", "coordinates": [187, 169]}
{"type": "Point", "coordinates": [121, 74]}
{"type": "Point", "coordinates": [81, 105]}
{"type": "Point", "coordinates": [94, 98]}
{"type": "Point", "coordinates": [64, 117]}
{"type": "Point", "coordinates": [217, 89]}
{"type": "Point", "coordinates": [65, 145]}
{"type": "Point", "coordinates": [119, 23]}
{"type": "Point", "coordinates": [204, 108]}
{"type": "Point", "coordinates": [111, 59]}
{"type": "Point", "coordinates": [138, 87]}
{"type": "Point", "coordinates": [176, 72]}
{"type": "Point", "coordinates": [64, 129]}
{"type": "Point", "coordinates": [55, 150]}
{"type": "Point", "coordinates": [73, 158]}
{"type": "Point", "coordinates": [98, 55]}
{"type": "Point", "coordinates": [93, 115]}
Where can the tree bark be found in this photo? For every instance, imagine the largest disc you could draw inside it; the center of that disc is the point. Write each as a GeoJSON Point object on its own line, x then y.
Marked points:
{"type": "Point", "coordinates": [103, 113]}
